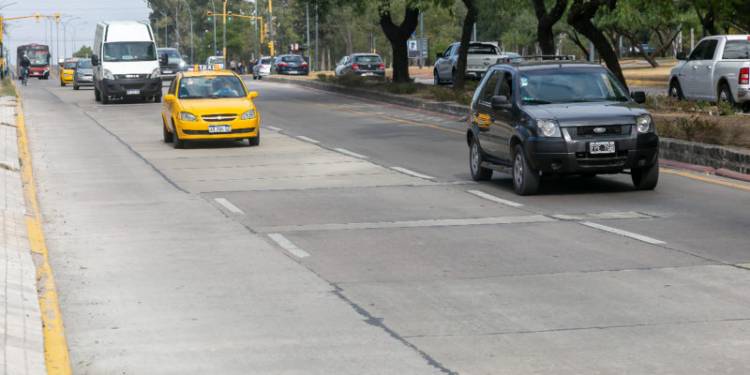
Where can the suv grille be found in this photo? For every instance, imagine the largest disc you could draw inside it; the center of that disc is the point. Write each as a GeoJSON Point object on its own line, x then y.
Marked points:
{"type": "Point", "coordinates": [219, 117]}
{"type": "Point", "coordinates": [599, 131]}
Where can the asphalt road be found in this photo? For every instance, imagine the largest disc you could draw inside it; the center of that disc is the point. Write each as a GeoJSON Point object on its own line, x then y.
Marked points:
{"type": "Point", "coordinates": [353, 241]}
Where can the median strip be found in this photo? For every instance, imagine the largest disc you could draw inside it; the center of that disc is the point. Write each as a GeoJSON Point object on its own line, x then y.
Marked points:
{"type": "Point", "coordinates": [624, 233]}
{"type": "Point", "coordinates": [412, 173]}
{"type": "Point", "coordinates": [229, 206]}
{"type": "Point", "coordinates": [288, 245]}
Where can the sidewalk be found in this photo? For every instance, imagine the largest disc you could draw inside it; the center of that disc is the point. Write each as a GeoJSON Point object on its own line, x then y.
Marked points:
{"type": "Point", "coordinates": [20, 321]}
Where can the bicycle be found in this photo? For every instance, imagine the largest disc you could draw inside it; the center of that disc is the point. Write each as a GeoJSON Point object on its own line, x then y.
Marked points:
{"type": "Point", "coordinates": [24, 76]}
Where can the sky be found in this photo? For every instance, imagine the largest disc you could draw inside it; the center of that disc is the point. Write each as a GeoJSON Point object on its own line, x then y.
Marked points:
{"type": "Point", "coordinates": [88, 13]}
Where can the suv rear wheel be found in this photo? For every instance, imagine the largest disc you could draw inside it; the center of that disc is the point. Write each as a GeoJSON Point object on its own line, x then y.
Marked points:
{"type": "Point", "coordinates": [478, 173]}
{"type": "Point", "coordinates": [725, 94]}
{"type": "Point", "coordinates": [525, 179]}
{"type": "Point", "coordinates": [675, 90]}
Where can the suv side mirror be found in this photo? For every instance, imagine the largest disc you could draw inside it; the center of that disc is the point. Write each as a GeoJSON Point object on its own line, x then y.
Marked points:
{"type": "Point", "coordinates": [681, 56]}
{"type": "Point", "coordinates": [639, 97]}
{"type": "Point", "coordinates": [439, 55]}
{"type": "Point", "coordinates": [500, 102]}
{"type": "Point", "coordinates": [94, 60]}
{"type": "Point", "coordinates": [163, 59]}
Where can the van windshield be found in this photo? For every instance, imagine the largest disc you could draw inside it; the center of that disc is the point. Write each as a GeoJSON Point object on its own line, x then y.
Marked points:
{"type": "Point", "coordinates": [129, 51]}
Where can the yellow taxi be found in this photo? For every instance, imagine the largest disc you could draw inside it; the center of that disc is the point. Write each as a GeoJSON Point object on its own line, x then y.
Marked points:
{"type": "Point", "coordinates": [209, 105]}
{"type": "Point", "coordinates": [67, 71]}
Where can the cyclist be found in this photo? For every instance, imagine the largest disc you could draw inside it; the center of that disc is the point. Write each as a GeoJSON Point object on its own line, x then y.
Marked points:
{"type": "Point", "coordinates": [25, 64]}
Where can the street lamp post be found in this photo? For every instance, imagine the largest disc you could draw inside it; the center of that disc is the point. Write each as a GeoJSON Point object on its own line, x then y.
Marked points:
{"type": "Point", "coordinates": [190, 14]}
{"type": "Point", "coordinates": [65, 34]}
{"type": "Point", "coordinates": [166, 27]}
{"type": "Point", "coordinates": [213, 9]}
{"type": "Point", "coordinates": [224, 35]}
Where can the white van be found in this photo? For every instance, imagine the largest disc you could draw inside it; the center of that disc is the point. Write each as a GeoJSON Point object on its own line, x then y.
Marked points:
{"type": "Point", "coordinates": [125, 62]}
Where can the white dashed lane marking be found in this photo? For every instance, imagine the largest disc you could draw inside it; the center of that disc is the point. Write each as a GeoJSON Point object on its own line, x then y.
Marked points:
{"type": "Point", "coordinates": [412, 173]}
{"type": "Point", "coordinates": [288, 245]}
{"type": "Point", "coordinates": [624, 233]}
{"type": "Point", "coordinates": [307, 139]}
{"type": "Point", "coordinates": [229, 206]}
{"type": "Point", "coordinates": [274, 128]}
{"type": "Point", "coordinates": [493, 198]}
{"type": "Point", "coordinates": [350, 153]}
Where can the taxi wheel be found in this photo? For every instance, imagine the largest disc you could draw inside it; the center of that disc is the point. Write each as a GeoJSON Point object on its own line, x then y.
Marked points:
{"type": "Point", "coordinates": [62, 84]}
{"type": "Point", "coordinates": [168, 137]}
{"type": "Point", "coordinates": [254, 141]}
{"type": "Point", "coordinates": [76, 87]}
{"type": "Point", "coordinates": [176, 141]}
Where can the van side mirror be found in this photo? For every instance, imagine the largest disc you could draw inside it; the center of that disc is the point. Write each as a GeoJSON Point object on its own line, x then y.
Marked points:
{"type": "Point", "coordinates": [639, 97]}
{"type": "Point", "coordinates": [94, 60]}
{"type": "Point", "coordinates": [169, 98]}
{"type": "Point", "coordinates": [252, 95]}
{"type": "Point", "coordinates": [163, 59]}
{"type": "Point", "coordinates": [500, 102]}
{"type": "Point", "coordinates": [681, 56]}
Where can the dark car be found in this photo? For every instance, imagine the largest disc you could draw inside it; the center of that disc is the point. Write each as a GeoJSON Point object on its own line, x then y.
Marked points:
{"type": "Point", "coordinates": [538, 118]}
{"type": "Point", "coordinates": [84, 75]}
{"type": "Point", "coordinates": [290, 64]}
{"type": "Point", "coordinates": [361, 64]}
{"type": "Point", "coordinates": [174, 62]}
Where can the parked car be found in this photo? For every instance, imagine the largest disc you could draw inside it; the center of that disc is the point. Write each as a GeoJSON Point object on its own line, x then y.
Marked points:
{"type": "Point", "coordinates": [213, 62]}
{"type": "Point", "coordinates": [262, 68]}
{"type": "Point", "coordinates": [67, 71]}
{"type": "Point", "coordinates": [174, 63]}
{"type": "Point", "coordinates": [538, 118]}
{"type": "Point", "coordinates": [480, 56]}
{"type": "Point", "coordinates": [290, 64]}
{"type": "Point", "coordinates": [361, 64]}
{"type": "Point", "coordinates": [125, 62]}
{"type": "Point", "coordinates": [84, 75]}
{"type": "Point", "coordinates": [718, 69]}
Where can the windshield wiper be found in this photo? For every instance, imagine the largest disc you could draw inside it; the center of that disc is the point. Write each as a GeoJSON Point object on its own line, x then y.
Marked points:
{"type": "Point", "coordinates": [536, 101]}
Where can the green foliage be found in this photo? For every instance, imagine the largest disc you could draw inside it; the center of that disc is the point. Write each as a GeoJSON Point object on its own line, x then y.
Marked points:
{"type": "Point", "coordinates": [7, 88]}
{"type": "Point", "coordinates": [85, 51]}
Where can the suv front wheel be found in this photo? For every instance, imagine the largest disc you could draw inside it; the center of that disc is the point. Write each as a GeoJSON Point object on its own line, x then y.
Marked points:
{"type": "Point", "coordinates": [478, 173]}
{"type": "Point", "coordinates": [525, 179]}
{"type": "Point", "coordinates": [645, 178]}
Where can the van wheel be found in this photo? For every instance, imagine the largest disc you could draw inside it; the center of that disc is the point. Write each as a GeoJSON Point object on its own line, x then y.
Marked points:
{"type": "Point", "coordinates": [525, 179]}
{"type": "Point", "coordinates": [645, 178]}
{"type": "Point", "coordinates": [478, 173]}
{"type": "Point", "coordinates": [157, 99]}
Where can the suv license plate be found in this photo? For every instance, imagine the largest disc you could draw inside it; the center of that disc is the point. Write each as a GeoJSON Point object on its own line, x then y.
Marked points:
{"type": "Point", "coordinates": [133, 92]}
{"type": "Point", "coordinates": [602, 147]}
{"type": "Point", "coordinates": [216, 129]}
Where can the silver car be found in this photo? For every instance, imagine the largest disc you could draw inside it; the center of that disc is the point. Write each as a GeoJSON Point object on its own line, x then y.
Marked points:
{"type": "Point", "coordinates": [84, 75]}
{"type": "Point", "coordinates": [262, 68]}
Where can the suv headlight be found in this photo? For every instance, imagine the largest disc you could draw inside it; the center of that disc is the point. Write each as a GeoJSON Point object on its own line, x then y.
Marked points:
{"type": "Point", "coordinates": [548, 128]}
{"type": "Point", "coordinates": [187, 116]}
{"type": "Point", "coordinates": [644, 123]}
{"type": "Point", "coordinates": [249, 115]}
{"type": "Point", "coordinates": [106, 74]}
{"type": "Point", "coordinates": [156, 73]}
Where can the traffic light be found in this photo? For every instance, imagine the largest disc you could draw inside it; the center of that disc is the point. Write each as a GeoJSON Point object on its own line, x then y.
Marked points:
{"type": "Point", "coordinates": [229, 16]}
{"type": "Point", "coordinates": [37, 17]}
{"type": "Point", "coordinates": [210, 18]}
{"type": "Point", "coordinates": [57, 17]}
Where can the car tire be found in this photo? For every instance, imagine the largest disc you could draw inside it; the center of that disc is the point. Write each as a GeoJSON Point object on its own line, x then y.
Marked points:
{"type": "Point", "coordinates": [62, 84]}
{"type": "Point", "coordinates": [675, 90]}
{"type": "Point", "coordinates": [76, 87]}
{"type": "Point", "coordinates": [97, 95]}
{"type": "Point", "coordinates": [157, 99]}
{"type": "Point", "coordinates": [478, 173]}
{"type": "Point", "coordinates": [436, 78]}
{"type": "Point", "coordinates": [168, 137]}
{"type": "Point", "coordinates": [176, 141]}
{"type": "Point", "coordinates": [105, 98]}
{"type": "Point", "coordinates": [725, 95]}
{"type": "Point", "coordinates": [525, 179]}
{"type": "Point", "coordinates": [645, 178]}
{"type": "Point", "coordinates": [253, 141]}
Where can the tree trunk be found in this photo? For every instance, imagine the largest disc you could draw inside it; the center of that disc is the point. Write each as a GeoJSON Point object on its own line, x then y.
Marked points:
{"type": "Point", "coordinates": [459, 78]}
{"type": "Point", "coordinates": [708, 20]}
{"type": "Point", "coordinates": [545, 22]}
{"type": "Point", "coordinates": [580, 17]}
{"type": "Point", "coordinates": [398, 35]}
{"type": "Point", "coordinates": [577, 41]}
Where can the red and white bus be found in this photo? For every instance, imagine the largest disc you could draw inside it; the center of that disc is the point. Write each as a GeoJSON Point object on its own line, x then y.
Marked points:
{"type": "Point", "coordinates": [40, 58]}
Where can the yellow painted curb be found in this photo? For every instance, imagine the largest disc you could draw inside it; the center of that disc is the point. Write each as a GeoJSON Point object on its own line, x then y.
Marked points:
{"type": "Point", "coordinates": [56, 354]}
{"type": "Point", "coordinates": [707, 178]}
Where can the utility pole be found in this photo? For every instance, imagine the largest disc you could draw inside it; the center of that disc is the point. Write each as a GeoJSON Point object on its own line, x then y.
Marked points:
{"type": "Point", "coordinates": [258, 29]}
{"type": "Point", "coordinates": [224, 43]}
{"type": "Point", "coordinates": [271, 32]}
{"type": "Point", "coordinates": [307, 20]}
{"type": "Point", "coordinates": [317, 56]}
{"type": "Point", "coordinates": [213, 9]}
{"type": "Point", "coordinates": [190, 14]}
{"type": "Point", "coordinates": [474, 33]}
{"type": "Point", "coordinates": [177, 25]}
{"type": "Point", "coordinates": [421, 44]}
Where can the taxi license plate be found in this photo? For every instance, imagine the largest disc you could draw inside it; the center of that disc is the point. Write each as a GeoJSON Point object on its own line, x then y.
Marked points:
{"type": "Point", "coordinates": [133, 92]}
{"type": "Point", "coordinates": [596, 148]}
{"type": "Point", "coordinates": [218, 129]}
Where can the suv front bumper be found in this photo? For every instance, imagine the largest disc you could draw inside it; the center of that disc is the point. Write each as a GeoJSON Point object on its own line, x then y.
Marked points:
{"type": "Point", "coordinates": [571, 156]}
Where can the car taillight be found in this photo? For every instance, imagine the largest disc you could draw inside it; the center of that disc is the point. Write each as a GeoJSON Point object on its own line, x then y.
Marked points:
{"type": "Point", "coordinates": [304, 65]}
{"type": "Point", "coordinates": [744, 76]}
{"type": "Point", "coordinates": [282, 64]}
{"type": "Point", "coordinates": [381, 67]}
{"type": "Point", "coordinates": [355, 66]}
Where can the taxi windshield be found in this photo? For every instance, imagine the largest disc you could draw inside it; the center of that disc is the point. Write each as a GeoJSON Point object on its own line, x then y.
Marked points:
{"type": "Point", "coordinates": [570, 86]}
{"type": "Point", "coordinates": [70, 65]}
{"type": "Point", "coordinates": [216, 87]}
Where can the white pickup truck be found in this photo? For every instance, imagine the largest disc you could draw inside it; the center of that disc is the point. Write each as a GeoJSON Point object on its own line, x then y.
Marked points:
{"type": "Point", "coordinates": [481, 56]}
{"type": "Point", "coordinates": [718, 69]}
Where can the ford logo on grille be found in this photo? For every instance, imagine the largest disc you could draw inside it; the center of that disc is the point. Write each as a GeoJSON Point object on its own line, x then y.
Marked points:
{"type": "Point", "coordinates": [600, 130]}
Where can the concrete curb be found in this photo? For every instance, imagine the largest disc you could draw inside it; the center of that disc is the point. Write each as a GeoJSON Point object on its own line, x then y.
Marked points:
{"type": "Point", "coordinates": [733, 162]}
{"type": "Point", "coordinates": [57, 358]}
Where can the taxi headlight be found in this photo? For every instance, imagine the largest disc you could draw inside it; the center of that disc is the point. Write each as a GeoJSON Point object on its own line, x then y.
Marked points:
{"type": "Point", "coordinates": [249, 115]}
{"type": "Point", "coordinates": [187, 116]}
{"type": "Point", "coordinates": [548, 128]}
{"type": "Point", "coordinates": [106, 74]}
{"type": "Point", "coordinates": [643, 122]}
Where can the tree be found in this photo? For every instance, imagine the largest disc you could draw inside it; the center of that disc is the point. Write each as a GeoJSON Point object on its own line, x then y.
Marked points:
{"type": "Point", "coordinates": [546, 21]}
{"type": "Point", "coordinates": [84, 52]}
{"type": "Point", "coordinates": [580, 16]}
{"type": "Point", "coordinates": [398, 35]}
{"type": "Point", "coordinates": [463, 50]}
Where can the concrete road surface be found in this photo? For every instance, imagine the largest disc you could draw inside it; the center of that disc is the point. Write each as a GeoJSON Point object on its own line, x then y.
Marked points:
{"type": "Point", "coordinates": [353, 241]}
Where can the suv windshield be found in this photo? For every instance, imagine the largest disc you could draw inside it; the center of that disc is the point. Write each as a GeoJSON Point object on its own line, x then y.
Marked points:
{"type": "Point", "coordinates": [211, 88]}
{"type": "Point", "coordinates": [129, 51]}
{"type": "Point", "coordinates": [570, 86]}
{"type": "Point", "coordinates": [367, 59]}
{"type": "Point", "coordinates": [293, 58]}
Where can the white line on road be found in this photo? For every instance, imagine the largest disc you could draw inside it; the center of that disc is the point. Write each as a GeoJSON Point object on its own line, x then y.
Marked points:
{"type": "Point", "coordinates": [308, 139]}
{"type": "Point", "coordinates": [350, 153]}
{"type": "Point", "coordinates": [229, 206]}
{"type": "Point", "coordinates": [412, 173]}
{"type": "Point", "coordinates": [493, 198]}
{"type": "Point", "coordinates": [621, 232]}
{"type": "Point", "coordinates": [288, 245]}
{"type": "Point", "coordinates": [274, 128]}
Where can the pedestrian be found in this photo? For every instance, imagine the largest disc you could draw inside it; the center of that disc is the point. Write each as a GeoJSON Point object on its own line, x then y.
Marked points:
{"type": "Point", "coordinates": [233, 65]}
{"type": "Point", "coordinates": [239, 67]}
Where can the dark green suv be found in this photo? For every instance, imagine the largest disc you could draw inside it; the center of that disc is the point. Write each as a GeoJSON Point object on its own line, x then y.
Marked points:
{"type": "Point", "coordinates": [559, 117]}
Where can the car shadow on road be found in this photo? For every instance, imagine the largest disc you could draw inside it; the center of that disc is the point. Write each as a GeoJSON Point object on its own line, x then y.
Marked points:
{"type": "Point", "coordinates": [570, 185]}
